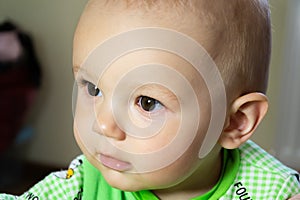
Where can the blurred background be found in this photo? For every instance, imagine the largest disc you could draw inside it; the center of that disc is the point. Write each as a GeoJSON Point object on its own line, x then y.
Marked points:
{"type": "Point", "coordinates": [49, 143]}
{"type": "Point", "coordinates": [45, 142]}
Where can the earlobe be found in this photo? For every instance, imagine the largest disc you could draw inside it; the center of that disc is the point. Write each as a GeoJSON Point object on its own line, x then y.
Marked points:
{"type": "Point", "coordinates": [246, 113]}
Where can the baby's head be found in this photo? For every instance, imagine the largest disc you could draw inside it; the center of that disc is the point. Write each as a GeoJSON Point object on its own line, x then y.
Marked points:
{"type": "Point", "coordinates": [235, 33]}
{"type": "Point", "coordinates": [152, 77]}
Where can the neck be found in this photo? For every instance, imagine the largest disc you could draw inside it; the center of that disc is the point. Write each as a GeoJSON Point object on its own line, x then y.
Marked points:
{"type": "Point", "coordinates": [200, 181]}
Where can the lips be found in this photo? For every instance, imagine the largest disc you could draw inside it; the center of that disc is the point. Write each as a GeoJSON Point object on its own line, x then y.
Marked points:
{"type": "Point", "coordinates": [114, 163]}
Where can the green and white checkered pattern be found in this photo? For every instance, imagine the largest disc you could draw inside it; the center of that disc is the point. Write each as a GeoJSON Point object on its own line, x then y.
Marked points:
{"type": "Point", "coordinates": [261, 176]}
{"type": "Point", "coordinates": [55, 186]}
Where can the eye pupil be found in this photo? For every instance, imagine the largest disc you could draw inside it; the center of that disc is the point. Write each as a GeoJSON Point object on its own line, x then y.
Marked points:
{"type": "Point", "coordinates": [93, 90]}
{"type": "Point", "coordinates": [147, 103]}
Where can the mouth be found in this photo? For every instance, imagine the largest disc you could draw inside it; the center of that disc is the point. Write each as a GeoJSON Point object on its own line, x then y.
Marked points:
{"type": "Point", "coordinates": [114, 163]}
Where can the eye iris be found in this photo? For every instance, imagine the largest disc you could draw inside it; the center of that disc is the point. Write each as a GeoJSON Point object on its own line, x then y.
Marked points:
{"type": "Point", "coordinates": [93, 90]}
{"type": "Point", "coordinates": [148, 104]}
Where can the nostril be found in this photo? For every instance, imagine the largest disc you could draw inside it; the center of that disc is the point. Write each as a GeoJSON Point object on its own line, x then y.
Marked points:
{"type": "Point", "coordinates": [121, 135]}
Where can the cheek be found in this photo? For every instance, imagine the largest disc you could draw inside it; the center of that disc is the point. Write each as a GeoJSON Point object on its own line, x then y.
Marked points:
{"type": "Point", "coordinates": [173, 174]}
{"type": "Point", "coordinates": [183, 167]}
{"type": "Point", "coordinates": [83, 122]}
{"type": "Point", "coordinates": [176, 172]}
{"type": "Point", "coordinates": [160, 140]}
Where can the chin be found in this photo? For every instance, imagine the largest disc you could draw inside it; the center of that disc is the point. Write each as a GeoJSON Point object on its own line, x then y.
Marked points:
{"type": "Point", "coordinates": [123, 181]}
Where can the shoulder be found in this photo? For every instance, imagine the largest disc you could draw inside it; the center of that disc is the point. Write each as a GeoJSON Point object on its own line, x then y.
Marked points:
{"type": "Point", "coordinates": [255, 157]}
{"type": "Point", "coordinates": [64, 184]}
{"type": "Point", "coordinates": [262, 176]}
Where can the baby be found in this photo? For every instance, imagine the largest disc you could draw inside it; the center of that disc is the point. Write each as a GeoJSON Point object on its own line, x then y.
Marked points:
{"type": "Point", "coordinates": [167, 95]}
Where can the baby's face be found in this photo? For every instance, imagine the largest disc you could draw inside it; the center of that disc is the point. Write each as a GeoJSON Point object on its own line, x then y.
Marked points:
{"type": "Point", "coordinates": [138, 110]}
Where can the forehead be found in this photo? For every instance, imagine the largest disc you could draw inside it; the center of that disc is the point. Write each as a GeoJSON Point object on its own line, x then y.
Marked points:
{"type": "Point", "coordinates": [100, 21]}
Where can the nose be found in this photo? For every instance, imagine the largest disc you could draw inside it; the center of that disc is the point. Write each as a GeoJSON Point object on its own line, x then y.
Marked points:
{"type": "Point", "coordinates": [106, 125]}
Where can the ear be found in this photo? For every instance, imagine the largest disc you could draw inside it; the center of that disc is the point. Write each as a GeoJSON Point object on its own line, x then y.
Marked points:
{"type": "Point", "coordinates": [245, 114]}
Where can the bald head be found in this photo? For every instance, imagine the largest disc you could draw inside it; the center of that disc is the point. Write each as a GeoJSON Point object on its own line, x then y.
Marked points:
{"type": "Point", "coordinates": [236, 34]}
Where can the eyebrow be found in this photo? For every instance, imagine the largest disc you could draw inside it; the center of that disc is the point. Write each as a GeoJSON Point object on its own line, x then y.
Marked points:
{"type": "Point", "coordinates": [78, 69]}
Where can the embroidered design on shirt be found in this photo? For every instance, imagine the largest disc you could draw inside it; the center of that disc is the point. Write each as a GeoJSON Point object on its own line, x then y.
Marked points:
{"type": "Point", "coordinates": [67, 174]}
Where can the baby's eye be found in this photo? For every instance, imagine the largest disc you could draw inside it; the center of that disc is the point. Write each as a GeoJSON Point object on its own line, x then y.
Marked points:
{"type": "Point", "coordinates": [149, 104]}
{"type": "Point", "coordinates": [93, 90]}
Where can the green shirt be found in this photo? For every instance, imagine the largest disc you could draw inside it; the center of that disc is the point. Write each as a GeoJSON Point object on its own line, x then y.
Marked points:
{"type": "Point", "coordinates": [248, 173]}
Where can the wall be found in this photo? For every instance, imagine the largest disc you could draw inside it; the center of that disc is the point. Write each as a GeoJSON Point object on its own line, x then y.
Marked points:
{"type": "Point", "coordinates": [51, 24]}
{"type": "Point", "coordinates": [288, 137]}
{"type": "Point", "coordinates": [266, 133]}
